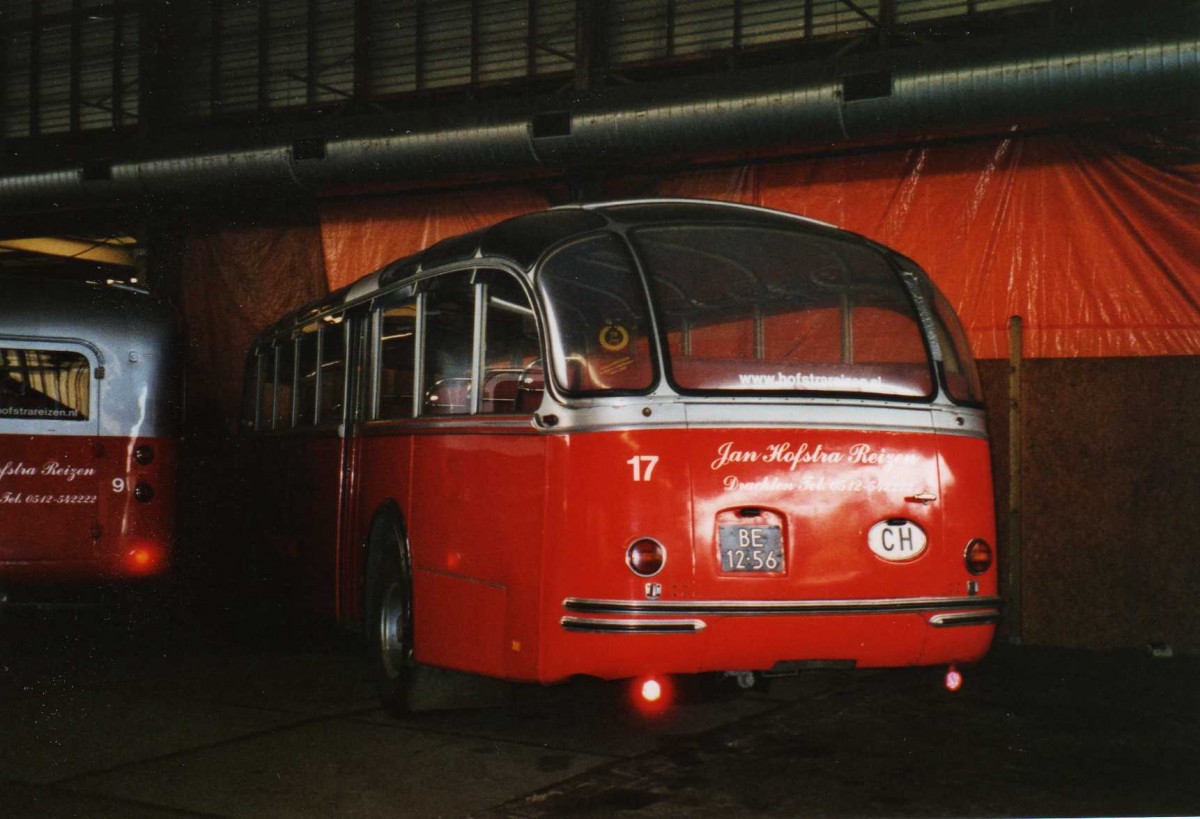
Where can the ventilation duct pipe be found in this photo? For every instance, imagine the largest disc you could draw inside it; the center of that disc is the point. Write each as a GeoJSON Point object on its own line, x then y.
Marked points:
{"type": "Point", "coordinates": [905, 93]}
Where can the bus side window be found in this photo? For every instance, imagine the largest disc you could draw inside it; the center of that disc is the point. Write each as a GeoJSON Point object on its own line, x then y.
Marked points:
{"type": "Point", "coordinates": [449, 332]}
{"type": "Point", "coordinates": [285, 374]}
{"type": "Point", "coordinates": [306, 377]}
{"type": "Point", "coordinates": [962, 375]}
{"type": "Point", "coordinates": [512, 372]}
{"type": "Point", "coordinates": [247, 421]}
{"type": "Point", "coordinates": [333, 372]}
{"type": "Point", "coordinates": [266, 387]}
{"type": "Point", "coordinates": [397, 345]}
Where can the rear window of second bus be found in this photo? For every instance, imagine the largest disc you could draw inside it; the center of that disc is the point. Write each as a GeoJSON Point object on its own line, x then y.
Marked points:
{"type": "Point", "coordinates": [44, 385]}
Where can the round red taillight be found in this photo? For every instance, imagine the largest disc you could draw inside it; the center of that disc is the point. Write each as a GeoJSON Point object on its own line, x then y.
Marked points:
{"type": "Point", "coordinates": [646, 557]}
{"type": "Point", "coordinates": [652, 696]}
{"type": "Point", "coordinates": [144, 454]}
{"type": "Point", "coordinates": [144, 492]}
{"type": "Point", "coordinates": [978, 556]}
{"type": "Point", "coordinates": [145, 559]}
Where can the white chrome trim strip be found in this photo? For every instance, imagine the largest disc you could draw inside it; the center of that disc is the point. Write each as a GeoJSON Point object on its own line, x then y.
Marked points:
{"type": "Point", "coordinates": [600, 625]}
{"type": "Point", "coordinates": [966, 618]}
{"type": "Point", "coordinates": [671, 412]}
{"type": "Point", "coordinates": [760, 608]}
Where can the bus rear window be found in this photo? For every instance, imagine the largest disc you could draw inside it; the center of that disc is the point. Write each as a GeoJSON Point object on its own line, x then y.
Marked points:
{"type": "Point", "coordinates": [599, 324]}
{"type": "Point", "coordinates": [762, 310]}
{"type": "Point", "coordinates": [44, 384]}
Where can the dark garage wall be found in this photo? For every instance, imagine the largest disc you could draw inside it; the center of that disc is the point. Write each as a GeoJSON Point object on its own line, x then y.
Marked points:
{"type": "Point", "coordinates": [1110, 480]}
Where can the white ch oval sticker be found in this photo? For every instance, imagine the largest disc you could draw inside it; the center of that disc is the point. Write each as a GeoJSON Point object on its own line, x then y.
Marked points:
{"type": "Point", "coordinates": [897, 539]}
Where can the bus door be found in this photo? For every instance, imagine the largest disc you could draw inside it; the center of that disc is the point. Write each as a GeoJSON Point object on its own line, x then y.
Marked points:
{"type": "Point", "coordinates": [352, 414]}
{"type": "Point", "coordinates": [49, 451]}
{"type": "Point", "coordinates": [317, 459]}
{"type": "Point", "coordinates": [479, 470]}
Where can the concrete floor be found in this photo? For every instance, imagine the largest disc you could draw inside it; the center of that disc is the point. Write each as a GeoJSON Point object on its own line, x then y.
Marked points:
{"type": "Point", "coordinates": [209, 717]}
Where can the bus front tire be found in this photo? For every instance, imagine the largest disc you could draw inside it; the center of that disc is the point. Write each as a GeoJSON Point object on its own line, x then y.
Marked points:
{"type": "Point", "coordinates": [391, 633]}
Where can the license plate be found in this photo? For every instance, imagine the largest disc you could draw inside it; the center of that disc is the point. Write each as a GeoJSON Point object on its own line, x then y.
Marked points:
{"type": "Point", "coordinates": [750, 548]}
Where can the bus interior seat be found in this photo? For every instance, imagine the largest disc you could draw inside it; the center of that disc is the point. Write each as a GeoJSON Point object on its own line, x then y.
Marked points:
{"type": "Point", "coordinates": [500, 387]}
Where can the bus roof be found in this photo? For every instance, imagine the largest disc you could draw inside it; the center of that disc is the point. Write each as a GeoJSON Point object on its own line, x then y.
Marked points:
{"type": "Point", "coordinates": [525, 239]}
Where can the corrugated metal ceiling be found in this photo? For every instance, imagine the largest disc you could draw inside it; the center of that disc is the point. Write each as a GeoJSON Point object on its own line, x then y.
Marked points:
{"type": "Point", "coordinates": [75, 66]}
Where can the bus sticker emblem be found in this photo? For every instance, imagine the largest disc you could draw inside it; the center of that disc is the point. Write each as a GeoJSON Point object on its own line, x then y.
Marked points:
{"type": "Point", "coordinates": [653, 591]}
{"type": "Point", "coordinates": [614, 337]}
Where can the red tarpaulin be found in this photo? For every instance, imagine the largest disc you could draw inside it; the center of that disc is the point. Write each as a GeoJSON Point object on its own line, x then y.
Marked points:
{"type": "Point", "coordinates": [1094, 246]}
{"type": "Point", "coordinates": [362, 235]}
{"type": "Point", "coordinates": [235, 281]}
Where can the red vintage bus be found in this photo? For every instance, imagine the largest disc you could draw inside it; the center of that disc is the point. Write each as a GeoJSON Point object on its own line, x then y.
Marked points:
{"type": "Point", "coordinates": [648, 437]}
{"type": "Point", "coordinates": [88, 426]}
